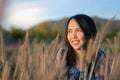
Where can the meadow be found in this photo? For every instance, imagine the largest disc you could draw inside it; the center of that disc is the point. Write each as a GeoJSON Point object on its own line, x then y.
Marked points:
{"type": "Point", "coordinates": [37, 60]}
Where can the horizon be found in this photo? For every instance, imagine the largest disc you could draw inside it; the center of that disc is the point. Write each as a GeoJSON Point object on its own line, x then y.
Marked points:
{"type": "Point", "coordinates": [26, 13]}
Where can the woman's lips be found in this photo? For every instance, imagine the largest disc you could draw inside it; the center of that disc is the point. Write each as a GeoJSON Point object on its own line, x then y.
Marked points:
{"type": "Point", "coordinates": [75, 42]}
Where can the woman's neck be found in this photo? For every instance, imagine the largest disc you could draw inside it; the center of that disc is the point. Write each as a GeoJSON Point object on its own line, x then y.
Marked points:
{"type": "Point", "coordinates": [80, 52]}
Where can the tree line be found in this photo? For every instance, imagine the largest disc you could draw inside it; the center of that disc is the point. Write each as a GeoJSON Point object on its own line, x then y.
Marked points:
{"type": "Point", "coordinates": [43, 32]}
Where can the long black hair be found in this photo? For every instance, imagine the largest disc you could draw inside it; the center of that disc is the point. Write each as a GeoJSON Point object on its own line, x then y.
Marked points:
{"type": "Point", "coordinates": [88, 27]}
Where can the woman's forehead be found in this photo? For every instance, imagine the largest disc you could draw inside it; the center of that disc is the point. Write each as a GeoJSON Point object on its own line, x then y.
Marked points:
{"type": "Point", "coordinates": [73, 24]}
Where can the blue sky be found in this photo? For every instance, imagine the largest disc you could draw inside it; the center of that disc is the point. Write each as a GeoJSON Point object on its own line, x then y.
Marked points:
{"type": "Point", "coordinates": [25, 13]}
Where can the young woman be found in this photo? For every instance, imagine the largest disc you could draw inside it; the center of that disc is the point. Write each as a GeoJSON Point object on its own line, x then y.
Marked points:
{"type": "Point", "coordinates": [79, 30]}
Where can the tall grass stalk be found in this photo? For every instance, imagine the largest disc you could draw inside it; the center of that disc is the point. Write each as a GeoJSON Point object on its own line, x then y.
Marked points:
{"type": "Point", "coordinates": [2, 47]}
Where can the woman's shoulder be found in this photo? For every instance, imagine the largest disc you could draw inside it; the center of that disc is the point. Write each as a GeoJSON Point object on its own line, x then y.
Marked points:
{"type": "Point", "coordinates": [101, 57]}
{"type": "Point", "coordinates": [60, 52]}
{"type": "Point", "coordinates": [100, 65]}
{"type": "Point", "coordinates": [101, 53]}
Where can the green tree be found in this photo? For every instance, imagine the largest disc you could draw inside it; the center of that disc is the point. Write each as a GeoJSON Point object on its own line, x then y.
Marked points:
{"type": "Point", "coordinates": [43, 29]}
{"type": "Point", "coordinates": [58, 29]}
{"type": "Point", "coordinates": [17, 34]}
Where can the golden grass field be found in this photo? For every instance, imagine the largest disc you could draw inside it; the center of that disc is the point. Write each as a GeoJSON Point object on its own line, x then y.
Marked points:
{"type": "Point", "coordinates": [35, 61]}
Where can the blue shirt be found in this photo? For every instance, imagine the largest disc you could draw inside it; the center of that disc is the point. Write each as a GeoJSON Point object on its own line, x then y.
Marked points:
{"type": "Point", "coordinates": [75, 74]}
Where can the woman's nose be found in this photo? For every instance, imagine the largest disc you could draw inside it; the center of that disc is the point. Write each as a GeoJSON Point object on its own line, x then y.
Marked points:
{"type": "Point", "coordinates": [74, 35]}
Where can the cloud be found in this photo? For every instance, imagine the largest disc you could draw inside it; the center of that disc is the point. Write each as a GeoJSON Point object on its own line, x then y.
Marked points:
{"type": "Point", "coordinates": [25, 18]}
{"type": "Point", "coordinates": [24, 14]}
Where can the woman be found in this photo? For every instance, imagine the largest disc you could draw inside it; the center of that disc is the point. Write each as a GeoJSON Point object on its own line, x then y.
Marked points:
{"type": "Point", "coordinates": [79, 30]}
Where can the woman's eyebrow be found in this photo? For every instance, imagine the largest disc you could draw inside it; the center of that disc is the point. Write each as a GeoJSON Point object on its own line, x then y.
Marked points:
{"type": "Point", "coordinates": [78, 28]}
{"type": "Point", "coordinates": [69, 29]}
{"type": "Point", "coordinates": [74, 28]}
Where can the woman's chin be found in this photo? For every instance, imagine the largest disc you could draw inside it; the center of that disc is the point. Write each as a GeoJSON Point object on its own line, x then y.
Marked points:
{"type": "Point", "coordinates": [76, 48]}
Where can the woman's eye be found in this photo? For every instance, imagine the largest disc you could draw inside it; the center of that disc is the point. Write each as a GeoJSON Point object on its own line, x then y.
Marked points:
{"type": "Point", "coordinates": [69, 31]}
{"type": "Point", "coordinates": [79, 30]}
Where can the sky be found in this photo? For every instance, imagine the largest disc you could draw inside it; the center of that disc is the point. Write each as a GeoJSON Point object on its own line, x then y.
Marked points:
{"type": "Point", "coordinates": [26, 13]}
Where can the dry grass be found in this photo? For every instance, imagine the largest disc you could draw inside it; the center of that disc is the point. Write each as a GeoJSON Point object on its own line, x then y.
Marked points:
{"type": "Point", "coordinates": [36, 60]}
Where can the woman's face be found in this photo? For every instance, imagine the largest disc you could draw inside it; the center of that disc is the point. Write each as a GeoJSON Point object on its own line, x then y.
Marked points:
{"type": "Point", "coordinates": [75, 35]}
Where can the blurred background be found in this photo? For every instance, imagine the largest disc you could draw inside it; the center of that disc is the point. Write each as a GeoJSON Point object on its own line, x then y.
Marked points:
{"type": "Point", "coordinates": [45, 18]}
{"type": "Point", "coordinates": [24, 56]}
